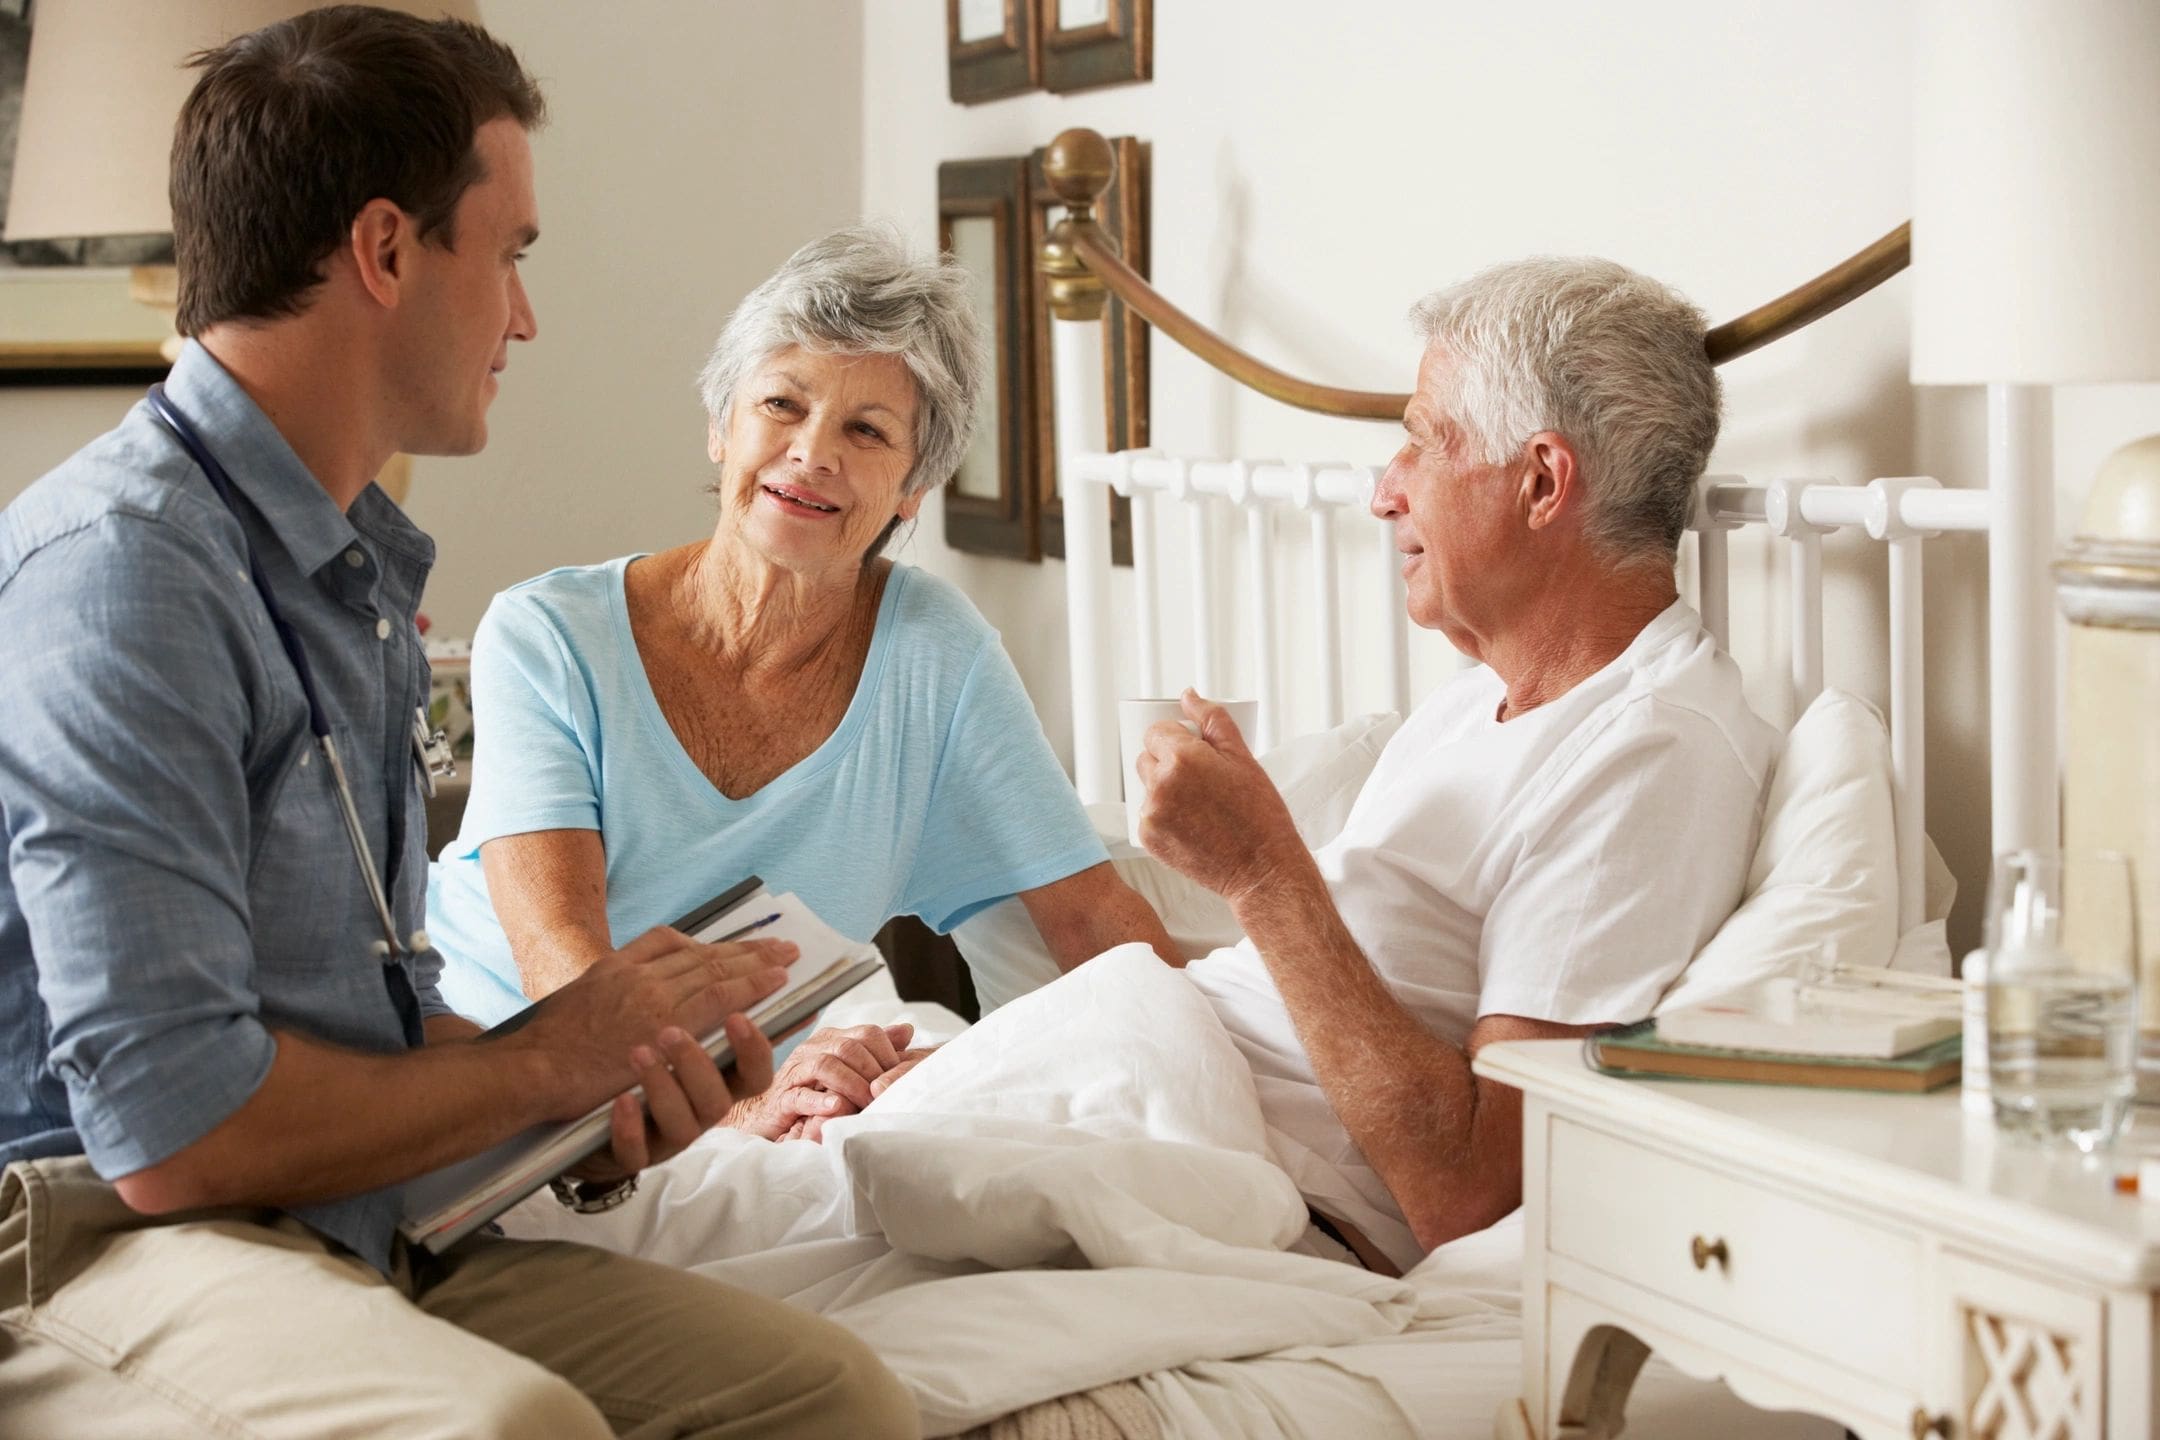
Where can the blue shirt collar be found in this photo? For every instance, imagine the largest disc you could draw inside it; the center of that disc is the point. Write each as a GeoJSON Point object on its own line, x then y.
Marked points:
{"type": "Point", "coordinates": [292, 502]}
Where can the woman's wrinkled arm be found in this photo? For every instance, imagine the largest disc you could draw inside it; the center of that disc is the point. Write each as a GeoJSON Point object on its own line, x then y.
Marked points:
{"type": "Point", "coordinates": [1091, 911]}
{"type": "Point", "coordinates": [549, 889]}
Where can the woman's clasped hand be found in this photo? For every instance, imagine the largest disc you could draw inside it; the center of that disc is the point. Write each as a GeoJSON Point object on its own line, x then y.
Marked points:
{"type": "Point", "coordinates": [835, 1072]}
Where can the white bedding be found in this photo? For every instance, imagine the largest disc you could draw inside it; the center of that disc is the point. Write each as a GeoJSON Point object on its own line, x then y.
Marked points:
{"type": "Point", "coordinates": [1075, 1191]}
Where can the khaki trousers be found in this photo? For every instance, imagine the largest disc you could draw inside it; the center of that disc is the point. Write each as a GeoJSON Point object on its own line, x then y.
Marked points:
{"type": "Point", "coordinates": [244, 1323]}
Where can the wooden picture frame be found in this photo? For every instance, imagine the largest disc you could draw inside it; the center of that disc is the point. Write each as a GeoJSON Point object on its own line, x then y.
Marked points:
{"type": "Point", "coordinates": [1091, 43]}
{"type": "Point", "coordinates": [77, 325]}
{"type": "Point", "coordinates": [1123, 215]}
{"type": "Point", "coordinates": [992, 502]}
{"type": "Point", "coordinates": [991, 49]}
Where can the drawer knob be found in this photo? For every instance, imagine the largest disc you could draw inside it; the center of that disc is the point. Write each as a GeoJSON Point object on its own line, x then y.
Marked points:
{"type": "Point", "coordinates": [1924, 1425]}
{"type": "Point", "coordinates": [1706, 1251]}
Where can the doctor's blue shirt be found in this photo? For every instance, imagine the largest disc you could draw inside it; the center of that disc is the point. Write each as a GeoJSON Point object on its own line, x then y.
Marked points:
{"type": "Point", "coordinates": [178, 881]}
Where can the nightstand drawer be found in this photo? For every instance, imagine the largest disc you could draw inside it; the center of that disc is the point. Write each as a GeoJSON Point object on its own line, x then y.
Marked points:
{"type": "Point", "coordinates": [1769, 1262]}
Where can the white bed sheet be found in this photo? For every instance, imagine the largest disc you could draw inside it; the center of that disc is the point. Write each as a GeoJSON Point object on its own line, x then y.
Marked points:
{"type": "Point", "coordinates": [1076, 1191]}
{"type": "Point", "coordinates": [1092, 1154]}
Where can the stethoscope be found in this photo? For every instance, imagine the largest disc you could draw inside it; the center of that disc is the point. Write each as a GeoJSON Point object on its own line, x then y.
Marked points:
{"type": "Point", "coordinates": [430, 749]}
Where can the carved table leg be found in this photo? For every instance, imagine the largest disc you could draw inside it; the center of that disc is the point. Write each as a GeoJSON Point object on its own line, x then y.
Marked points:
{"type": "Point", "coordinates": [1597, 1391]}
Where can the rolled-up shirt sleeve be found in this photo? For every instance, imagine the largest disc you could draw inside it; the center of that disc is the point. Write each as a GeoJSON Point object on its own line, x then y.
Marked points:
{"type": "Point", "coordinates": [123, 735]}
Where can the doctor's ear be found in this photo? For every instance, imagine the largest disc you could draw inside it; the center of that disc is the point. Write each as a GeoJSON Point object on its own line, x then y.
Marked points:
{"type": "Point", "coordinates": [381, 233]}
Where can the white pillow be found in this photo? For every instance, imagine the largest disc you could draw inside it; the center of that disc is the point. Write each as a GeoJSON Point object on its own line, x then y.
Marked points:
{"type": "Point", "coordinates": [1825, 870]}
{"type": "Point", "coordinates": [1319, 776]}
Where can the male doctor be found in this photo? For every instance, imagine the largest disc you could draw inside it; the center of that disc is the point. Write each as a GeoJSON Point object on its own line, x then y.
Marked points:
{"type": "Point", "coordinates": [221, 1045]}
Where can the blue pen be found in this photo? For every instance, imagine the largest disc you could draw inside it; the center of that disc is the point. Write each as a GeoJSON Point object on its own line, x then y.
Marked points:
{"type": "Point", "coordinates": [747, 929]}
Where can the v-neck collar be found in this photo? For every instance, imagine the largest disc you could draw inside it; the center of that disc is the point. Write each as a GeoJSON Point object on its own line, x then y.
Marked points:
{"type": "Point", "coordinates": [830, 749]}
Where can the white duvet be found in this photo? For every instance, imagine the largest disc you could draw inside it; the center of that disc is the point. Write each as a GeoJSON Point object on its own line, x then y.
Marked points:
{"type": "Point", "coordinates": [1073, 1192]}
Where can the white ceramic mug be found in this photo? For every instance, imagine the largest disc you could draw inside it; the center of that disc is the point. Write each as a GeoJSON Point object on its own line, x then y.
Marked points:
{"type": "Point", "coordinates": [1133, 719]}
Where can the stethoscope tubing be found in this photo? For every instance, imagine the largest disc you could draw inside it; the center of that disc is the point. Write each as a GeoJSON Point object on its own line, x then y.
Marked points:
{"type": "Point", "coordinates": [391, 949]}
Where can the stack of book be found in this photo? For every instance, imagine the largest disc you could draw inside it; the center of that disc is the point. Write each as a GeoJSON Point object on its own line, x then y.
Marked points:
{"type": "Point", "coordinates": [1874, 1030]}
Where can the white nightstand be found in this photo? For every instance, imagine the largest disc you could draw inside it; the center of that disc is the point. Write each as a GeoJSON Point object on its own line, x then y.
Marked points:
{"type": "Point", "coordinates": [1882, 1260]}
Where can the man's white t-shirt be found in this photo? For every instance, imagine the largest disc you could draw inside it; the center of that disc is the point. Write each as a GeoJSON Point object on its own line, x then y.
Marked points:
{"type": "Point", "coordinates": [1562, 865]}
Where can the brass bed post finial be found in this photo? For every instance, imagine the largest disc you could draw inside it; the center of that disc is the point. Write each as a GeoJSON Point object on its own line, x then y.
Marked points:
{"type": "Point", "coordinates": [1079, 166]}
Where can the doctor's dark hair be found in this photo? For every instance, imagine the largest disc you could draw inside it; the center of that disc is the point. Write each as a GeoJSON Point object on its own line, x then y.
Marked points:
{"type": "Point", "coordinates": [1606, 357]}
{"type": "Point", "coordinates": [292, 128]}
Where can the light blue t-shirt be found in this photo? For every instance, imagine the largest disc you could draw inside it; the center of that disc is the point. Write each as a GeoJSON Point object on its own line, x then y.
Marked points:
{"type": "Point", "coordinates": [936, 795]}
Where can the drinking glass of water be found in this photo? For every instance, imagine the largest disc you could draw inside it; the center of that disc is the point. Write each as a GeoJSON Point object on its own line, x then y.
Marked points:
{"type": "Point", "coordinates": [2062, 995]}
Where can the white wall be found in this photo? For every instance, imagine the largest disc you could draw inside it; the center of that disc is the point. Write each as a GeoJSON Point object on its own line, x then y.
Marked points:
{"type": "Point", "coordinates": [1317, 170]}
{"type": "Point", "coordinates": [692, 146]}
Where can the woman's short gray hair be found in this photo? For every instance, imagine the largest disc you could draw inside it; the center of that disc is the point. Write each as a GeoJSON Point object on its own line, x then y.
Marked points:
{"type": "Point", "coordinates": [861, 291]}
{"type": "Point", "coordinates": [1610, 359]}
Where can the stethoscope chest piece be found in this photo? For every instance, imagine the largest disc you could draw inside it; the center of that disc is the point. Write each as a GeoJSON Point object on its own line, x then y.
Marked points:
{"type": "Point", "coordinates": [431, 749]}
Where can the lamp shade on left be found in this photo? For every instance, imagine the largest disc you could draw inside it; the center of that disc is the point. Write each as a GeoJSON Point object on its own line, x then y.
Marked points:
{"type": "Point", "coordinates": [104, 85]}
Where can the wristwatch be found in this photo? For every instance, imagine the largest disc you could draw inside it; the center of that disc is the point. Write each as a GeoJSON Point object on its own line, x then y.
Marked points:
{"type": "Point", "coordinates": [590, 1197]}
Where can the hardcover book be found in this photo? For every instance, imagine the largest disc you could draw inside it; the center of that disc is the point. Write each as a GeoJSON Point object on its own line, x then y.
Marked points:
{"type": "Point", "coordinates": [1639, 1050]}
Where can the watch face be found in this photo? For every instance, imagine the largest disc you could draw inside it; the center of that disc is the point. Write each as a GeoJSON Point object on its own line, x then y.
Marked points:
{"type": "Point", "coordinates": [589, 1197]}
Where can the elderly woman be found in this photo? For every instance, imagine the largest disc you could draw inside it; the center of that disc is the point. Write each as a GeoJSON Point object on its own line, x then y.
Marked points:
{"type": "Point", "coordinates": [777, 699]}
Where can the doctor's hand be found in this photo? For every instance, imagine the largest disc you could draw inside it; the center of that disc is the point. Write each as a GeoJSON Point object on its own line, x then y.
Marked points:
{"type": "Point", "coordinates": [685, 1095]}
{"type": "Point", "coordinates": [631, 1019]}
{"type": "Point", "coordinates": [833, 1073]}
{"type": "Point", "coordinates": [1211, 813]}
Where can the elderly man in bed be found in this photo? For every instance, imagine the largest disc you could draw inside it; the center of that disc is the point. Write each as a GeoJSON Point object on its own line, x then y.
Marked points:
{"type": "Point", "coordinates": [1549, 837]}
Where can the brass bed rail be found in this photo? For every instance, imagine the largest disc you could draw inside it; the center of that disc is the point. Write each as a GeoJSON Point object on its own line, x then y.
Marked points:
{"type": "Point", "coordinates": [1083, 267]}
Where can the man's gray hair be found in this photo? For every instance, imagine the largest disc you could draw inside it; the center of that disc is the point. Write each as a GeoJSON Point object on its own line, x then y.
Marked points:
{"type": "Point", "coordinates": [1607, 358]}
{"type": "Point", "coordinates": [861, 291]}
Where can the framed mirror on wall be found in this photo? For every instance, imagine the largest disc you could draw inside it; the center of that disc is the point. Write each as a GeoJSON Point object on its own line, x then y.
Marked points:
{"type": "Point", "coordinates": [1123, 215]}
{"type": "Point", "coordinates": [993, 216]}
{"type": "Point", "coordinates": [990, 49]}
{"type": "Point", "coordinates": [996, 48]}
{"type": "Point", "coordinates": [992, 504]}
{"type": "Point", "coordinates": [1088, 43]}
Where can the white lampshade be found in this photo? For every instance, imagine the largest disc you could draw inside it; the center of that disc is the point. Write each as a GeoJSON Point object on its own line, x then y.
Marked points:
{"type": "Point", "coordinates": [105, 82]}
{"type": "Point", "coordinates": [2036, 192]}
